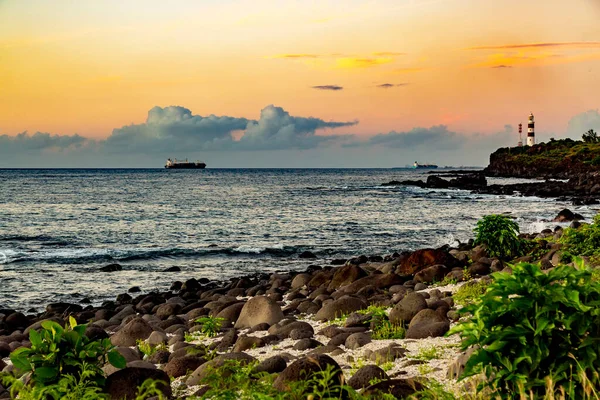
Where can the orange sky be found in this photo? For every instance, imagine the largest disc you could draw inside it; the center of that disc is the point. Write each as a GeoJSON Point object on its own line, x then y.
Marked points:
{"type": "Point", "coordinates": [87, 66]}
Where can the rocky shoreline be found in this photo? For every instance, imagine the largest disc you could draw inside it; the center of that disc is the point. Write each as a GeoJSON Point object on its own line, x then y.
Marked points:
{"type": "Point", "coordinates": [288, 323]}
{"type": "Point", "coordinates": [580, 189]}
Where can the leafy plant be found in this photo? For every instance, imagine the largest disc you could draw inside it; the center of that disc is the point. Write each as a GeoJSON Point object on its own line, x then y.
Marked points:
{"type": "Point", "coordinates": [583, 241]}
{"type": "Point", "coordinates": [531, 327]}
{"type": "Point", "coordinates": [211, 326]}
{"type": "Point", "coordinates": [147, 349]}
{"type": "Point", "coordinates": [56, 351]}
{"type": "Point", "coordinates": [500, 235]}
{"type": "Point", "coordinates": [428, 353]}
{"type": "Point", "coordinates": [385, 329]}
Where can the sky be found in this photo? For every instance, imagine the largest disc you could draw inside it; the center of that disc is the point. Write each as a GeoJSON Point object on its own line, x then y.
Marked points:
{"type": "Point", "coordinates": [283, 83]}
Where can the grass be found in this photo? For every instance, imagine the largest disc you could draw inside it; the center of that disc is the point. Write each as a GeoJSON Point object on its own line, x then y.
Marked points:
{"type": "Point", "coordinates": [470, 292]}
{"type": "Point", "coordinates": [385, 330]}
{"type": "Point", "coordinates": [428, 353]}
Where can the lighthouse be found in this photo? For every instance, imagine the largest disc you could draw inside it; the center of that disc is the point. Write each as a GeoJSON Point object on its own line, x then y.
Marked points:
{"type": "Point", "coordinates": [530, 131]}
{"type": "Point", "coordinates": [520, 144]}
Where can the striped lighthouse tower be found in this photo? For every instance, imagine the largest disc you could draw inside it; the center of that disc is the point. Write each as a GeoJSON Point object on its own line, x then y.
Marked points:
{"type": "Point", "coordinates": [530, 131]}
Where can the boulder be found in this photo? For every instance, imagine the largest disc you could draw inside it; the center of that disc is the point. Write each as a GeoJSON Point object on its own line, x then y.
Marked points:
{"type": "Point", "coordinates": [363, 377]}
{"type": "Point", "coordinates": [398, 388]}
{"type": "Point", "coordinates": [305, 344]}
{"type": "Point", "coordinates": [356, 340]}
{"type": "Point", "coordinates": [435, 273]}
{"type": "Point", "coordinates": [271, 365]}
{"type": "Point", "coordinates": [300, 280]}
{"type": "Point", "coordinates": [247, 342]}
{"type": "Point", "coordinates": [166, 310]}
{"type": "Point", "coordinates": [123, 384]}
{"type": "Point", "coordinates": [567, 215]}
{"type": "Point", "coordinates": [305, 368]}
{"type": "Point", "coordinates": [346, 275]}
{"type": "Point", "coordinates": [385, 354]}
{"type": "Point", "coordinates": [203, 370]}
{"type": "Point", "coordinates": [157, 338]}
{"type": "Point", "coordinates": [182, 365]}
{"type": "Point", "coordinates": [407, 308]}
{"type": "Point", "coordinates": [111, 268]}
{"type": "Point", "coordinates": [257, 310]}
{"type": "Point", "coordinates": [424, 258]}
{"type": "Point", "coordinates": [284, 330]}
{"type": "Point", "coordinates": [128, 335]}
{"type": "Point", "coordinates": [427, 323]}
{"type": "Point", "coordinates": [232, 312]}
{"type": "Point", "coordinates": [307, 254]}
{"type": "Point", "coordinates": [378, 281]}
{"type": "Point", "coordinates": [342, 306]}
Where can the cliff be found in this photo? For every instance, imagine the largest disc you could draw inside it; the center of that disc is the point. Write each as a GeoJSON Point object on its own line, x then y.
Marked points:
{"type": "Point", "coordinates": [560, 159]}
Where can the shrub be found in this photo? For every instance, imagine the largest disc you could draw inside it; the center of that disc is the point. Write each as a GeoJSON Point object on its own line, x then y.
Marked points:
{"type": "Point", "coordinates": [428, 353]}
{"type": "Point", "coordinates": [531, 328]}
{"type": "Point", "coordinates": [211, 326]}
{"type": "Point", "coordinates": [147, 349]}
{"type": "Point", "coordinates": [56, 351]}
{"type": "Point", "coordinates": [500, 235]}
{"type": "Point", "coordinates": [583, 241]}
{"type": "Point", "coordinates": [384, 329]}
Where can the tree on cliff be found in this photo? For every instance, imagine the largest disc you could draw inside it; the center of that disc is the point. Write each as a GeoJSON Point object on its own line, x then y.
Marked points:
{"type": "Point", "coordinates": [591, 137]}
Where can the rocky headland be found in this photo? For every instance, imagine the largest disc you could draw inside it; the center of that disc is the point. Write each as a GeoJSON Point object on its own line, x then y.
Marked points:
{"type": "Point", "coordinates": [564, 169]}
{"type": "Point", "coordinates": [292, 324]}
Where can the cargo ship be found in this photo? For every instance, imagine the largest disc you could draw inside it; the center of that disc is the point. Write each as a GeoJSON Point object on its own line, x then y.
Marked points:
{"type": "Point", "coordinates": [416, 165]}
{"type": "Point", "coordinates": [175, 164]}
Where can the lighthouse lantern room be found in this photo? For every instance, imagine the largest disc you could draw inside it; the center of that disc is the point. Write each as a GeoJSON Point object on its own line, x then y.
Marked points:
{"type": "Point", "coordinates": [530, 131]}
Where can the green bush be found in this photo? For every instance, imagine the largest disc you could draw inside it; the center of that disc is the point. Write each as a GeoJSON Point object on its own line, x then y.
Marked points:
{"type": "Point", "coordinates": [500, 235]}
{"type": "Point", "coordinates": [583, 241]}
{"type": "Point", "coordinates": [56, 351]}
{"type": "Point", "coordinates": [211, 326]}
{"type": "Point", "coordinates": [470, 292]}
{"type": "Point", "coordinates": [531, 328]}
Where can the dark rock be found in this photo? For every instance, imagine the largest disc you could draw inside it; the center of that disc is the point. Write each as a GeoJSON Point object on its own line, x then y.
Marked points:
{"type": "Point", "coordinates": [166, 310]}
{"type": "Point", "coordinates": [136, 329]}
{"type": "Point", "coordinates": [94, 332]}
{"type": "Point", "coordinates": [123, 384]}
{"type": "Point", "coordinates": [346, 275]}
{"type": "Point", "coordinates": [435, 273]}
{"type": "Point", "coordinates": [284, 329]}
{"type": "Point", "coordinates": [357, 340]}
{"type": "Point", "coordinates": [363, 377]}
{"type": "Point", "coordinates": [435, 182]}
{"type": "Point", "coordinates": [301, 333]}
{"type": "Point", "coordinates": [399, 388]}
{"type": "Point", "coordinates": [307, 254]}
{"type": "Point", "coordinates": [407, 308]}
{"type": "Point", "coordinates": [386, 354]}
{"type": "Point", "coordinates": [305, 368]}
{"type": "Point", "coordinates": [232, 312]}
{"type": "Point", "coordinates": [134, 289]}
{"type": "Point", "coordinates": [247, 342]}
{"type": "Point", "coordinates": [16, 321]}
{"type": "Point", "coordinates": [159, 357]}
{"type": "Point", "coordinates": [424, 258]}
{"type": "Point", "coordinates": [263, 326]}
{"type": "Point", "coordinates": [203, 370]}
{"type": "Point", "coordinates": [305, 344]}
{"type": "Point", "coordinates": [111, 268]}
{"type": "Point", "coordinates": [427, 323]}
{"type": "Point", "coordinates": [183, 365]}
{"type": "Point", "coordinates": [271, 365]}
{"type": "Point", "coordinates": [339, 307]}
{"type": "Point", "coordinates": [479, 269]}
{"type": "Point", "coordinates": [173, 269]}
{"type": "Point", "coordinates": [229, 339]}
{"type": "Point", "coordinates": [339, 339]}
{"type": "Point", "coordinates": [567, 215]}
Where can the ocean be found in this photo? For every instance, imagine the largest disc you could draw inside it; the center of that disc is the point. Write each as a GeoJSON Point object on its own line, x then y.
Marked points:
{"type": "Point", "coordinates": [58, 227]}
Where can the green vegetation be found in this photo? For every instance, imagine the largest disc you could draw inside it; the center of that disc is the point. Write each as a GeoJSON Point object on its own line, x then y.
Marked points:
{"type": "Point", "coordinates": [428, 353]}
{"type": "Point", "coordinates": [582, 241]}
{"type": "Point", "coordinates": [384, 329]}
{"type": "Point", "coordinates": [65, 364]}
{"type": "Point", "coordinates": [590, 137]}
{"type": "Point", "coordinates": [147, 349]}
{"type": "Point", "coordinates": [500, 235]}
{"type": "Point", "coordinates": [210, 326]}
{"type": "Point", "coordinates": [56, 351]}
{"type": "Point", "coordinates": [535, 331]}
{"type": "Point", "coordinates": [236, 381]}
{"type": "Point", "coordinates": [375, 311]}
{"type": "Point", "coordinates": [470, 292]}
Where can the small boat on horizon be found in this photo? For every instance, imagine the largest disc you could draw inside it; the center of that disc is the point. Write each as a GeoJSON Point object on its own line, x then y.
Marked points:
{"type": "Point", "coordinates": [175, 164]}
{"type": "Point", "coordinates": [416, 165]}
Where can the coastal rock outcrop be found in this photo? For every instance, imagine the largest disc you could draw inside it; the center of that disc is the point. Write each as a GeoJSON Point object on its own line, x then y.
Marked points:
{"type": "Point", "coordinates": [257, 310]}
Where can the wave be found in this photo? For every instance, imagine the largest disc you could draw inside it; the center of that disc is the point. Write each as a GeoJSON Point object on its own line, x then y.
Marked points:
{"type": "Point", "coordinates": [90, 255]}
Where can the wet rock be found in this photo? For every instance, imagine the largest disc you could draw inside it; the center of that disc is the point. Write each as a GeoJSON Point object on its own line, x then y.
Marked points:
{"type": "Point", "coordinates": [305, 368]}
{"type": "Point", "coordinates": [363, 377]}
{"type": "Point", "coordinates": [173, 269]}
{"type": "Point", "coordinates": [123, 384]}
{"type": "Point", "coordinates": [111, 268]}
{"type": "Point", "coordinates": [134, 289]}
{"type": "Point", "coordinates": [307, 254]}
{"type": "Point", "coordinates": [257, 310]}
{"type": "Point", "coordinates": [567, 215]}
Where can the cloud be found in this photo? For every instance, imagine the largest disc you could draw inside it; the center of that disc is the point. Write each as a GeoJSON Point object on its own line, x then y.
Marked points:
{"type": "Point", "coordinates": [367, 62]}
{"type": "Point", "coordinates": [502, 66]}
{"type": "Point", "coordinates": [295, 56]}
{"type": "Point", "coordinates": [41, 142]}
{"type": "Point", "coordinates": [328, 87]}
{"type": "Point", "coordinates": [391, 85]}
{"type": "Point", "coordinates": [581, 123]}
{"type": "Point", "coordinates": [538, 45]}
{"type": "Point", "coordinates": [438, 137]}
{"type": "Point", "coordinates": [277, 129]}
